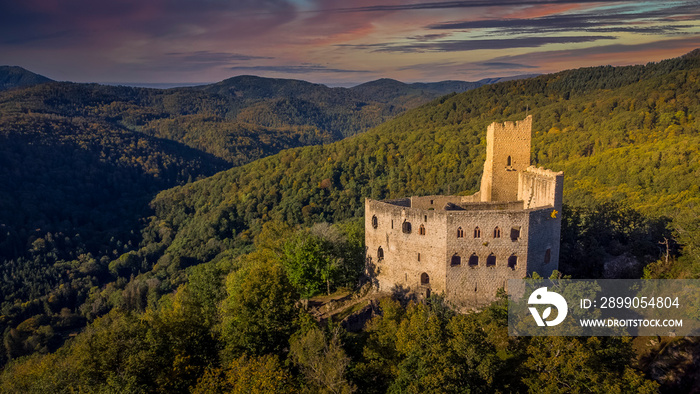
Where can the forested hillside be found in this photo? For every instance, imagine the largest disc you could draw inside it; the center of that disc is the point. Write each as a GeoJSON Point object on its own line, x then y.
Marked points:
{"type": "Point", "coordinates": [17, 77]}
{"type": "Point", "coordinates": [629, 139]}
{"type": "Point", "coordinates": [80, 162]}
{"type": "Point", "coordinates": [209, 299]}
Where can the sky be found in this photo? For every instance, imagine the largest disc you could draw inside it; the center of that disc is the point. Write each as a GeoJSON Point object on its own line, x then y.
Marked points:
{"type": "Point", "coordinates": [339, 43]}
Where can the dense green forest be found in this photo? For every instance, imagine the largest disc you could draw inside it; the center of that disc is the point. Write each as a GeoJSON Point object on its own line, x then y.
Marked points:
{"type": "Point", "coordinates": [80, 163]}
{"type": "Point", "coordinates": [206, 297]}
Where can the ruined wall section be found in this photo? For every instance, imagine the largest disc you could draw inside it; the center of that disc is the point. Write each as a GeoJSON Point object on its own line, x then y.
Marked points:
{"type": "Point", "coordinates": [406, 255]}
{"type": "Point", "coordinates": [434, 202]}
{"type": "Point", "coordinates": [538, 187]}
{"type": "Point", "coordinates": [507, 153]}
{"type": "Point", "coordinates": [472, 285]}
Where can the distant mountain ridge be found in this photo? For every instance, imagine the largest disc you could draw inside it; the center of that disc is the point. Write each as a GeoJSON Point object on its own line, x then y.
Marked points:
{"type": "Point", "coordinates": [18, 77]}
{"type": "Point", "coordinates": [239, 119]}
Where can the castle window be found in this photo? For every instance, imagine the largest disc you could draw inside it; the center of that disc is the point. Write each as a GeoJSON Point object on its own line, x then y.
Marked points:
{"type": "Point", "coordinates": [491, 260]}
{"type": "Point", "coordinates": [392, 223]}
{"type": "Point", "coordinates": [460, 233]}
{"type": "Point", "coordinates": [406, 227]}
{"type": "Point", "coordinates": [515, 233]}
{"type": "Point", "coordinates": [375, 222]}
{"type": "Point", "coordinates": [425, 218]}
{"type": "Point", "coordinates": [497, 232]}
{"type": "Point", "coordinates": [548, 256]}
{"type": "Point", "coordinates": [431, 202]}
{"type": "Point", "coordinates": [424, 279]}
{"type": "Point", "coordinates": [456, 260]}
{"type": "Point", "coordinates": [473, 260]}
{"type": "Point", "coordinates": [509, 162]}
{"type": "Point", "coordinates": [477, 232]}
{"type": "Point", "coordinates": [421, 230]}
{"type": "Point", "coordinates": [512, 261]}
{"type": "Point", "coordinates": [380, 254]}
{"type": "Point", "coordinates": [418, 256]}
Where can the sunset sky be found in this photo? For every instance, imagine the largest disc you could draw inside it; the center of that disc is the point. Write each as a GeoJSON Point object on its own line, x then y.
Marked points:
{"type": "Point", "coordinates": [336, 42]}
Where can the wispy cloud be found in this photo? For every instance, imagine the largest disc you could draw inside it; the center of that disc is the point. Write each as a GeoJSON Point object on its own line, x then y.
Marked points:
{"type": "Point", "coordinates": [505, 65]}
{"type": "Point", "coordinates": [463, 4]}
{"type": "Point", "coordinates": [630, 18]}
{"type": "Point", "coordinates": [477, 44]}
{"type": "Point", "coordinates": [297, 69]}
{"type": "Point", "coordinates": [213, 57]}
{"type": "Point", "coordinates": [429, 37]}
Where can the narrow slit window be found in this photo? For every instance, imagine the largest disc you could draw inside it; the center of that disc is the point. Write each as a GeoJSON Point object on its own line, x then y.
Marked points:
{"type": "Point", "coordinates": [548, 256]}
{"type": "Point", "coordinates": [380, 254]}
{"type": "Point", "coordinates": [509, 162]}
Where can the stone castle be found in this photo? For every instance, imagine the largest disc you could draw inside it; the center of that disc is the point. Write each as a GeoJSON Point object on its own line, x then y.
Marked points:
{"type": "Point", "coordinates": [467, 247]}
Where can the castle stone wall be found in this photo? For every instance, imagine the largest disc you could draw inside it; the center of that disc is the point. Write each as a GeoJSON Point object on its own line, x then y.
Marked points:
{"type": "Point", "coordinates": [544, 234]}
{"type": "Point", "coordinates": [402, 266]}
{"type": "Point", "coordinates": [473, 285]}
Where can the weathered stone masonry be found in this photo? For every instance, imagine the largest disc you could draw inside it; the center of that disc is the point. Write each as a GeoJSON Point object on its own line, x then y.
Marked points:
{"type": "Point", "coordinates": [467, 247]}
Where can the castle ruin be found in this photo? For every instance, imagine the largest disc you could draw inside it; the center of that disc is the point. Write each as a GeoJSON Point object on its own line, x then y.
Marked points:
{"type": "Point", "coordinates": [467, 247]}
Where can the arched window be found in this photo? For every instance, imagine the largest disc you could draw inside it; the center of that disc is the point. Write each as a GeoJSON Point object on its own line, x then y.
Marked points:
{"type": "Point", "coordinates": [515, 233]}
{"type": "Point", "coordinates": [491, 260]}
{"type": "Point", "coordinates": [421, 230]}
{"type": "Point", "coordinates": [473, 260]}
{"type": "Point", "coordinates": [380, 253]}
{"type": "Point", "coordinates": [375, 222]}
{"type": "Point", "coordinates": [460, 233]}
{"type": "Point", "coordinates": [509, 161]}
{"type": "Point", "coordinates": [424, 279]}
{"type": "Point", "coordinates": [477, 232]}
{"type": "Point", "coordinates": [497, 232]}
{"type": "Point", "coordinates": [512, 261]}
{"type": "Point", "coordinates": [406, 227]}
{"type": "Point", "coordinates": [456, 260]}
{"type": "Point", "coordinates": [548, 256]}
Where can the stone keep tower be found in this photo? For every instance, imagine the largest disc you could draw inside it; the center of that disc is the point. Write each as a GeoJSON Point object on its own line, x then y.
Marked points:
{"type": "Point", "coordinates": [467, 247]}
{"type": "Point", "coordinates": [507, 153]}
